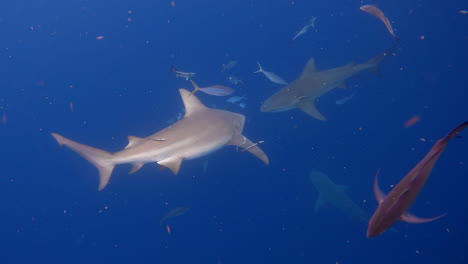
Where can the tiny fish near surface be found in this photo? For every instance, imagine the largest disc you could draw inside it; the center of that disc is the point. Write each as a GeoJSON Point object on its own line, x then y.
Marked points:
{"type": "Point", "coordinates": [216, 90]}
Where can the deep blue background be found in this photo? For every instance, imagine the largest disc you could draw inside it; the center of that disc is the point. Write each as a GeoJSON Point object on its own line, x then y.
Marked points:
{"type": "Point", "coordinates": [241, 210]}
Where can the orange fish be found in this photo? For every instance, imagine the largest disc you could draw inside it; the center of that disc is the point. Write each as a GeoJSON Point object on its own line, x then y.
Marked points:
{"type": "Point", "coordinates": [413, 120]}
{"type": "Point", "coordinates": [373, 10]}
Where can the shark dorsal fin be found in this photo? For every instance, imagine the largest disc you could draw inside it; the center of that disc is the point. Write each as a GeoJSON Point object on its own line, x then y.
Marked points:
{"type": "Point", "coordinates": [191, 102]}
{"type": "Point", "coordinates": [132, 141]}
{"type": "Point", "coordinates": [309, 68]}
{"type": "Point", "coordinates": [379, 194]}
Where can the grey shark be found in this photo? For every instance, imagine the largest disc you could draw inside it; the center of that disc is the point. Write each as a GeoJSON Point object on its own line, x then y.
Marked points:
{"type": "Point", "coordinates": [313, 83]}
{"type": "Point", "coordinates": [335, 195]}
{"type": "Point", "coordinates": [202, 130]}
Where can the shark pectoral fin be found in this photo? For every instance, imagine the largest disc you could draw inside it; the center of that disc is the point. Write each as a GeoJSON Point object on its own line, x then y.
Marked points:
{"type": "Point", "coordinates": [101, 159]}
{"type": "Point", "coordinates": [242, 141]}
{"type": "Point", "coordinates": [172, 163]}
{"type": "Point", "coordinates": [309, 108]}
{"type": "Point", "coordinates": [342, 188]}
{"type": "Point", "coordinates": [309, 68]}
{"type": "Point", "coordinates": [342, 85]}
{"type": "Point", "coordinates": [136, 167]}
{"type": "Point", "coordinates": [132, 141]}
{"type": "Point", "coordinates": [409, 218]}
{"type": "Point", "coordinates": [319, 203]}
{"type": "Point", "coordinates": [379, 194]}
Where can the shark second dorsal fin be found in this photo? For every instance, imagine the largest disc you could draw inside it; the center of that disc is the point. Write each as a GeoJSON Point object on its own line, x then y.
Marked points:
{"type": "Point", "coordinates": [191, 102]}
{"type": "Point", "coordinates": [132, 141]}
{"type": "Point", "coordinates": [309, 108]}
{"type": "Point", "coordinates": [309, 68]}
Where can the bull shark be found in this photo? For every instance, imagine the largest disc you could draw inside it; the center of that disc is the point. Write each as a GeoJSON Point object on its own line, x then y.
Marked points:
{"type": "Point", "coordinates": [393, 206]}
{"type": "Point", "coordinates": [335, 195]}
{"type": "Point", "coordinates": [313, 83]}
{"type": "Point", "coordinates": [201, 131]}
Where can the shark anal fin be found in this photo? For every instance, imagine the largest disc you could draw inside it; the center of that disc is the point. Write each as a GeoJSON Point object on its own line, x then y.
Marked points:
{"type": "Point", "coordinates": [309, 108]}
{"type": "Point", "coordinates": [136, 167]}
{"type": "Point", "coordinates": [379, 194]}
{"type": "Point", "coordinates": [243, 142]}
{"type": "Point", "coordinates": [101, 159]}
{"type": "Point", "coordinates": [132, 141]}
{"type": "Point", "coordinates": [409, 218]}
{"type": "Point", "coordinates": [309, 68]}
{"type": "Point", "coordinates": [172, 163]}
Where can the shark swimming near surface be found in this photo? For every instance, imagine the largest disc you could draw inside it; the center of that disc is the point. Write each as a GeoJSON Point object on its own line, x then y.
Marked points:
{"type": "Point", "coordinates": [335, 195]}
{"type": "Point", "coordinates": [201, 131]}
{"type": "Point", "coordinates": [313, 83]}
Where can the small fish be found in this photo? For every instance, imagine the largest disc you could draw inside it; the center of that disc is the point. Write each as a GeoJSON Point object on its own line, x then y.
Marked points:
{"type": "Point", "coordinates": [309, 24]}
{"type": "Point", "coordinates": [216, 90]}
{"type": "Point", "coordinates": [229, 65]}
{"type": "Point", "coordinates": [242, 104]}
{"type": "Point", "coordinates": [253, 145]}
{"type": "Point", "coordinates": [345, 99]}
{"type": "Point", "coordinates": [174, 213]}
{"type": "Point", "coordinates": [234, 80]}
{"type": "Point", "coordinates": [373, 10]}
{"type": "Point", "coordinates": [270, 75]}
{"type": "Point", "coordinates": [235, 99]}
{"type": "Point", "coordinates": [181, 74]}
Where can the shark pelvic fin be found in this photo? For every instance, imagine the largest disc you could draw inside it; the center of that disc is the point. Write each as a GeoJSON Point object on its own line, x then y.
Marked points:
{"type": "Point", "coordinates": [379, 194]}
{"type": "Point", "coordinates": [101, 159]}
{"type": "Point", "coordinates": [191, 103]}
{"type": "Point", "coordinates": [309, 108]}
{"type": "Point", "coordinates": [409, 218]}
{"type": "Point", "coordinates": [132, 141]}
{"type": "Point", "coordinates": [309, 68]}
{"type": "Point", "coordinates": [136, 167]}
{"type": "Point", "coordinates": [172, 163]}
{"type": "Point", "coordinates": [241, 141]}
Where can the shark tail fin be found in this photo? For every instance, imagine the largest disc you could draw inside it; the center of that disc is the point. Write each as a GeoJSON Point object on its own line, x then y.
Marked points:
{"type": "Point", "coordinates": [374, 63]}
{"type": "Point", "coordinates": [101, 159]}
{"type": "Point", "coordinates": [260, 69]}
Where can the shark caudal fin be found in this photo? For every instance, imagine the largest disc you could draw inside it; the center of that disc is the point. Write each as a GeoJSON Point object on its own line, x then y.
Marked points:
{"type": "Point", "coordinates": [101, 159]}
{"type": "Point", "coordinates": [374, 63]}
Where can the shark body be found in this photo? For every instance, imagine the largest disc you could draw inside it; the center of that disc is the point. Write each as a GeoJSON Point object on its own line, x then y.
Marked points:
{"type": "Point", "coordinates": [201, 131]}
{"type": "Point", "coordinates": [335, 195]}
{"type": "Point", "coordinates": [313, 83]}
{"type": "Point", "coordinates": [393, 206]}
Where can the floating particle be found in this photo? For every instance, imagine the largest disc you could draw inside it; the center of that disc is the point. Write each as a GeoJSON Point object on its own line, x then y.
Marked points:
{"type": "Point", "coordinates": [447, 230]}
{"type": "Point", "coordinates": [173, 3]}
{"type": "Point", "coordinates": [100, 37]}
{"type": "Point", "coordinates": [422, 37]}
{"type": "Point", "coordinates": [422, 139]}
{"type": "Point", "coordinates": [72, 107]}
{"type": "Point", "coordinates": [4, 119]}
{"type": "Point", "coordinates": [413, 120]}
{"type": "Point", "coordinates": [168, 228]}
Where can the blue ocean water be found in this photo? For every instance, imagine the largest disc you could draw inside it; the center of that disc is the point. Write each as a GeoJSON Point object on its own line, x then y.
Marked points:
{"type": "Point", "coordinates": [98, 71]}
